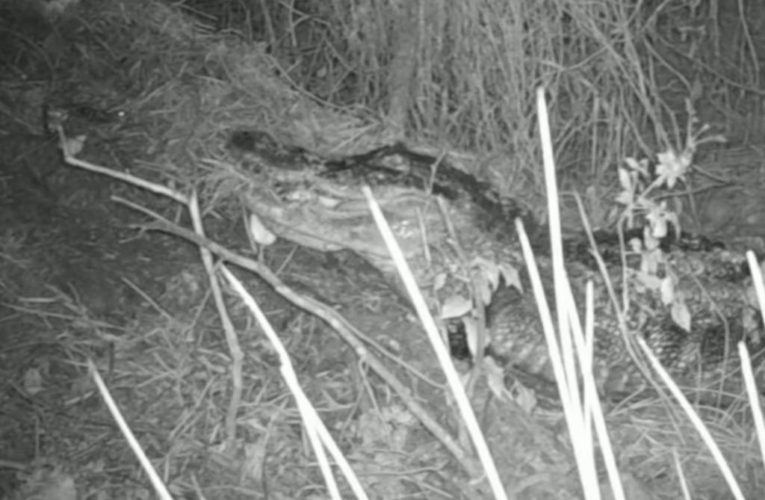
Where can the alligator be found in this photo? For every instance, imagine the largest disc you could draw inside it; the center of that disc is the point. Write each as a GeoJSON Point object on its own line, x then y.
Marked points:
{"type": "Point", "coordinates": [317, 202]}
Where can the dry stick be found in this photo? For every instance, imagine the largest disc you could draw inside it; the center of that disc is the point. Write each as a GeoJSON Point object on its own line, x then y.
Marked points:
{"type": "Point", "coordinates": [154, 478]}
{"type": "Point", "coordinates": [230, 332]}
{"type": "Point", "coordinates": [348, 332]}
{"type": "Point", "coordinates": [70, 159]}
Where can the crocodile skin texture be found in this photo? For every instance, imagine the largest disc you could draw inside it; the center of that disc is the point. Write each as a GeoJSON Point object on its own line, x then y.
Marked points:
{"type": "Point", "coordinates": [702, 359]}
{"type": "Point", "coordinates": [318, 203]}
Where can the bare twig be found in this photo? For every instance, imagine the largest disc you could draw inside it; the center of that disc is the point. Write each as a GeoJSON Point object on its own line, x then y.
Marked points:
{"type": "Point", "coordinates": [228, 327]}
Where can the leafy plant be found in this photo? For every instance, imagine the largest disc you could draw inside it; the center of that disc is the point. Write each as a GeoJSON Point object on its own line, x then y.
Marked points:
{"type": "Point", "coordinates": [644, 193]}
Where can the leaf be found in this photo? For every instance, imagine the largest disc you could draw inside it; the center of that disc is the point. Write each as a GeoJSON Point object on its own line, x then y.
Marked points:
{"type": "Point", "coordinates": [625, 179]}
{"type": "Point", "coordinates": [32, 381]}
{"type": "Point", "coordinates": [525, 398]}
{"type": "Point", "coordinates": [667, 289]}
{"type": "Point", "coordinates": [259, 232]}
{"type": "Point", "coordinates": [439, 280]}
{"type": "Point", "coordinates": [495, 376]}
{"type": "Point", "coordinates": [635, 244]}
{"type": "Point", "coordinates": [659, 217]}
{"type": "Point", "coordinates": [488, 270]}
{"type": "Point", "coordinates": [510, 276]}
{"type": "Point", "coordinates": [650, 242]}
{"type": "Point", "coordinates": [637, 167]}
{"type": "Point", "coordinates": [72, 146]}
{"type": "Point", "coordinates": [658, 223]}
{"type": "Point", "coordinates": [471, 334]}
{"type": "Point", "coordinates": [672, 167]}
{"type": "Point", "coordinates": [456, 306]}
{"type": "Point", "coordinates": [625, 198]}
{"type": "Point", "coordinates": [681, 315]}
{"type": "Point", "coordinates": [649, 281]}
{"type": "Point", "coordinates": [650, 262]}
{"type": "Point", "coordinates": [485, 292]}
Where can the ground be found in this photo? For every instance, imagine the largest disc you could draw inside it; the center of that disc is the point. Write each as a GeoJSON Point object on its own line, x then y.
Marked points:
{"type": "Point", "coordinates": [84, 276]}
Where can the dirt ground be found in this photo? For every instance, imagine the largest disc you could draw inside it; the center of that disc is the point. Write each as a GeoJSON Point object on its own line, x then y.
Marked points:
{"type": "Point", "coordinates": [83, 276]}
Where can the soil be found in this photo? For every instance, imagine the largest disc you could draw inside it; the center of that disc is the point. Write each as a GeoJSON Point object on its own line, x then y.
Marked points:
{"type": "Point", "coordinates": [83, 277]}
